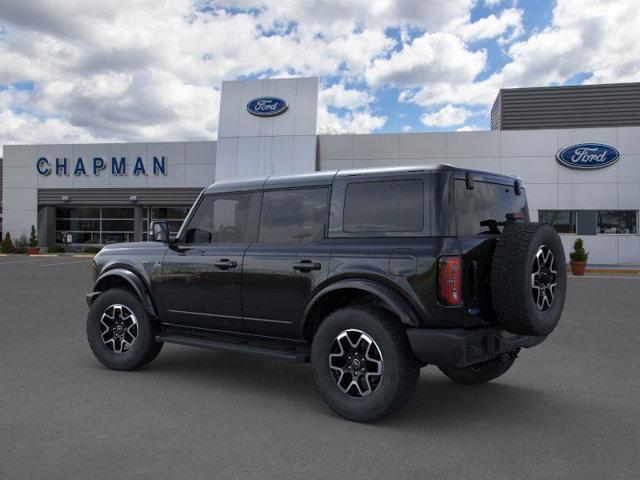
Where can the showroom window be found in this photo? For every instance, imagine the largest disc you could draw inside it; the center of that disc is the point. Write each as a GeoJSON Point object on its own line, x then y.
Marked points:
{"type": "Point", "coordinates": [564, 221]}
{"type": "Point", "coordinates": [618, 222]}
{"type": "Point", "coordinates": [174, 216]}
{"type": "Point", "coordinates": [94, 225]}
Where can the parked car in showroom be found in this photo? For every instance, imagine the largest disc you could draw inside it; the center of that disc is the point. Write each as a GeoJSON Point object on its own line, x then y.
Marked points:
{"type": "Point", "coordinates": [368, 274]}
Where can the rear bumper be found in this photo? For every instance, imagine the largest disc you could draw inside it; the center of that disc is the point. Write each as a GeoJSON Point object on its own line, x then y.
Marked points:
{"type": "Point", "coordinates": [457, 347]}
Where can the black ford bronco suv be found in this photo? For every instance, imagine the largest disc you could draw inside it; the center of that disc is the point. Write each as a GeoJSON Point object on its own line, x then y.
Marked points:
{"type": "Point", "coordinates": [368, 274]}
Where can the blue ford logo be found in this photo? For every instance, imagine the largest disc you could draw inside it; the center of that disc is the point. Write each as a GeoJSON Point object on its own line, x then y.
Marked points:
{"type": "Point", "coordinates": [267, 106]}
{"type": "Point", "coordinates": [588, 156]}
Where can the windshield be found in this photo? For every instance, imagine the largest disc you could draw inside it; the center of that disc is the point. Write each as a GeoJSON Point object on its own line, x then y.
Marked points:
{"type": "Point", "coordinates": [484, 209]}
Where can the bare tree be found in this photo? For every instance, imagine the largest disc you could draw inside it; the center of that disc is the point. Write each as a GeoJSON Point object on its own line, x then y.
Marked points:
{"type": "Point", "coordinates": [332, 129]}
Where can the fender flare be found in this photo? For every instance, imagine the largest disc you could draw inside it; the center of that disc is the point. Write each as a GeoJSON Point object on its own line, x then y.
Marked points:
{"type": "Point", "coordinates": [133, 280]}
{"type": "Point", "coordinates": [396, 303]}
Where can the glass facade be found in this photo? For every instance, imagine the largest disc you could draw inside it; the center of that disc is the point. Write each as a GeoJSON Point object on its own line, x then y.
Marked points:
{"type": "Point", "coordinates": [174, 216]}
{"type": "Point", "coordinates": [564, 221]}
{"type": "Point", "coordinates": [618, 221]}
{"type": "Point", "coordinates": [94, 225]}
{"type": "Point", "coordinates": [592, 222]}
{"type": "Point", "coordinates": [102, 225]}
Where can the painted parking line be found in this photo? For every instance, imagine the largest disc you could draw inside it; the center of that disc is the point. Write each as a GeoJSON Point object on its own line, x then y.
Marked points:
{"type": "Point", "coordinates": [31, 260]}
{"type": "Point", "coordinates": [64, 263]}
{"type": "Point", "coordinates": [621, 277]}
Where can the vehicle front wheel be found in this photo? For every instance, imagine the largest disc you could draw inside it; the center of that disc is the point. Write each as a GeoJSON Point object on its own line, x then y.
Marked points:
{"type": "Point", "coordinates": [480, 373]}
{"type": "Point", "coordinates": [362, 363]}
{"type": "Point", "coordinates": [119, 331]}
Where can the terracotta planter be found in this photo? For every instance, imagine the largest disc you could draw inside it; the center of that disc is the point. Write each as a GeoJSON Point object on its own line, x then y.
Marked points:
{"type": "Point", "coordinates": [34, 250]}
{"type": "Point", "coordinates": [578, 268]}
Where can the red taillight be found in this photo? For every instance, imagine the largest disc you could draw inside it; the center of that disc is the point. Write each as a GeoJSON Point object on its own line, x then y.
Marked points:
{"type": "Point", "coordinates": [450, 280]}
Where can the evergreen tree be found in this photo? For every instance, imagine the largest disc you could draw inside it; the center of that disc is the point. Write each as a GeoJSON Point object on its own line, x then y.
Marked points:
{"type": "Point", "coordinates": [7, 244]}
{"type": "Point", "coordinates": [33, 238]}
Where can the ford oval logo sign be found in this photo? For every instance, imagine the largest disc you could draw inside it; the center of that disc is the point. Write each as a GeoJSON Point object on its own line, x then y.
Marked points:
{"type": "Point", "coordinates": [267, 106]}
{"type": "Point", "coordinates": [588, 156]}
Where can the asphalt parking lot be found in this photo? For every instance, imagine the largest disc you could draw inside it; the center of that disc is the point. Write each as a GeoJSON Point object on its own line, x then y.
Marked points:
{"type": "Point", "coordinates": [569, 408]}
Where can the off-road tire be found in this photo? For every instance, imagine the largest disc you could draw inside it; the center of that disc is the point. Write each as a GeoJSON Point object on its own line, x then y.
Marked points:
{"type": "Point", "coordinates": [401, 369]}
{"type": "Point", "coordinates": [145, 348]}
{"type": "Point", "coordinates": [480, 373]}
{"type": "Point", "coordinates": [511, 277]}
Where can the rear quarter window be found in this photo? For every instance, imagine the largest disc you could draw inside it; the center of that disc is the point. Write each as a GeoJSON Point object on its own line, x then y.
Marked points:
{"type": "Point", "coordinates": [478, 211]}
{"type": "Point", "coordinates": [384, 206]}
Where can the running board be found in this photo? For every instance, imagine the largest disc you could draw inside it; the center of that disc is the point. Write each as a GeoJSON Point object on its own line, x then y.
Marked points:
{"type": "Point", "coordinates": [294, 354]}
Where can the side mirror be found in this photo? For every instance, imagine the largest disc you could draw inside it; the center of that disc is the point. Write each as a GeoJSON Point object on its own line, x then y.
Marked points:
{"type": "Point", "coordinates": [159, 232]}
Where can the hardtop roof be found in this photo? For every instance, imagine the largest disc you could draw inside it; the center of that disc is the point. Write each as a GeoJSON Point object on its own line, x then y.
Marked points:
{"type": "Point", "coordinates": [326, 177]}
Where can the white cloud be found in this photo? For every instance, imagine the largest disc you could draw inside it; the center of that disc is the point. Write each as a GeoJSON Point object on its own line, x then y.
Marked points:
{"type": "Point", "coordinates": [469, 128]}
{"type": "Point", "coordinates": [433, 57]}
{"type": "Point", "coordinates": [152, 70]}
{"type": "Point", "coordinates": [351, 122]}
{"type": "Point", "coordinates": [447, 116]}
{"type": "Point", "coordinates": [338, 96]}
{"type": "Point", "coordinates": [509, 20]}
{"type": "Point", "coordinates": [358, 118]}
{"type": "Point", "coordinates": [583, 37]}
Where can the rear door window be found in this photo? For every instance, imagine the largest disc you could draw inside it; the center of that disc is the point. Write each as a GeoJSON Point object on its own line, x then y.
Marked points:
{"type": "Point", "coordinates": [294, 216]}
{"type": "Point", "coordinates": [481, 210]}
{"type": "Point", "coordinates": [384, 206]}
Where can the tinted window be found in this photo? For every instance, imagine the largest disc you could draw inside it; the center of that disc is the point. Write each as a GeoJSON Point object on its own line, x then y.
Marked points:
{"type": "Point", "coordinates": [618, 221]}
{"type": "Point", "coordinates": [564, 221]}
{"type": "Point", "coordinates": [293, 215]}
{"type": "Point", "coordinates": [224, 219]}
{"type": "Point", "coordinates": [389, 206]}
{"type": "Point", "coordinates": [481, 209]}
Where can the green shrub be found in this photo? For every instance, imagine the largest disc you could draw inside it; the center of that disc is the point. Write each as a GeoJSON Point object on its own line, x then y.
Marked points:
{"type": "Point", "coordinates": [21, 244]}
{"type": "Point", "coordinates": [33, 238]}
{"type": "Point", "coordinates": [579, 254]}
{"type": "Point", "coordinates": [91, 249]}
{"type": "Point", "coordinates": [56, 249]}
{"type": "Point", "coordinates": [7, 244]}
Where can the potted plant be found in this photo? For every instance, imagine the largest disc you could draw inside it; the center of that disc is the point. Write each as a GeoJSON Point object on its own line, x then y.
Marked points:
{"type": "Point", "coordinates": [33, 242]}
{"type": "Point", "coordinates": [578, 258]}
{"type": "Point", "coordinates": [7, 244]}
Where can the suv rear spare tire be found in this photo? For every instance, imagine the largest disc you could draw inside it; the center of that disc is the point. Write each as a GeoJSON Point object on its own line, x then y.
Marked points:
{"type": "Point", "coordinates": [529, 278]}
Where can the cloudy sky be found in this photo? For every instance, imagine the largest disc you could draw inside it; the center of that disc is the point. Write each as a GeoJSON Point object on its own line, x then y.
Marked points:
{"type": "Point", "coordinates": [82, 71]}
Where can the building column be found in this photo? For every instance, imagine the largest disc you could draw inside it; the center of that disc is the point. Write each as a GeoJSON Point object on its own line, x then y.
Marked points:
{"type": "Point", "coordinates": [46, 226]}
{"type": "Point", "coordinates": [138, 217]}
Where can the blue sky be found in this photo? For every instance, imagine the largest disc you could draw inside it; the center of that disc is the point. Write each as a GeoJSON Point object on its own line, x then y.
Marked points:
{"type": "Point", "coordinates": [77, 71]}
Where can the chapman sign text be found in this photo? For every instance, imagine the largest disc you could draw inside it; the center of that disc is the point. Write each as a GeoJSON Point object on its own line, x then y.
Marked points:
{"type": "Point", "coordinates": [117, 166]}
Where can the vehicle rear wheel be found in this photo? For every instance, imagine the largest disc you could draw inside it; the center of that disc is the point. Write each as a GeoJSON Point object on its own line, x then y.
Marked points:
{"type": "Point", "coordinates": [119, 331]}
{"type": "Point", "coordinates": [362, 363]}
{"type": "Point", "coordinates": [529, 278]}
{"type": "Point", "coordinates": [480, 373]}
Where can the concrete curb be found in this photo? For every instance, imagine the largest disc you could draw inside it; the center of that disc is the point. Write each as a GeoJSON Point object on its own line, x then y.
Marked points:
{"type": "Point", "coordinates": [63, 255]}
{"type": "Point", "coordinates": [626, 271]}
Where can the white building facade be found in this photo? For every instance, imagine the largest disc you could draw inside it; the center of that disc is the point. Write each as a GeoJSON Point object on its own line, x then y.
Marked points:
{"type": "Point", "coordinates": [101, 193]}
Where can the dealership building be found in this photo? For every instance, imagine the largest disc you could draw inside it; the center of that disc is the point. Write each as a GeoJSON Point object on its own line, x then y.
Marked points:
{"type": "Point", "coordinates": [576, 148]}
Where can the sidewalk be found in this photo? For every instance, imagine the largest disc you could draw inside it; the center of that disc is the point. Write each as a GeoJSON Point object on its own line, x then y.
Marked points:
{"type": "Point", "coordinates": [615, 269]}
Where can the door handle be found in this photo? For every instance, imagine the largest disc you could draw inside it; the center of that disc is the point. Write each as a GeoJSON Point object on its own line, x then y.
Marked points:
{"type": "Point", "coordinates": [225, 264]}
{"type": "Point", "coordinates": [307, 266]}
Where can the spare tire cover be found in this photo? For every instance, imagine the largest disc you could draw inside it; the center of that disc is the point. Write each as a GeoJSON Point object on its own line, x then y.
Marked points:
{"type": "Point", "coordinates": [528, 278]}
